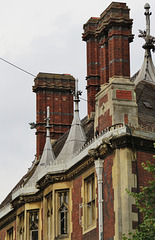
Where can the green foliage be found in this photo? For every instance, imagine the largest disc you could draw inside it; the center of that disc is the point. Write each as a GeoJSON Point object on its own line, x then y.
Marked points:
{"type": "Point", "coordinates": [145, 201]}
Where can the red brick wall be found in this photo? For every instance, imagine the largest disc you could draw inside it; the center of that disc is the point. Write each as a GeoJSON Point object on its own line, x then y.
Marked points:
{"type": "Point", "coordinates": [92, 235]}
{"type": "Point", "coordinates": [102, 100]}
{"type": "Point", "coordinates": [119, 64]}
{"type": "Point", "coordinates": [108, 199]}
{"type": "Point", "coordinates": [61, 115]}
{"type": "Point", "coordinates": [123, 94]}
{"type": "Point", "coordinates": [2, 234]}
{"type": "Point", "coordinates": [92, 57]}
{"type": "Point", "coordinates": [143, 175]}
{"type": "Point", "coordinates": [76, 198]}
{"type": "Point", "coordinates": [77, 229]}
{"type": "Point", "coordinates": [126, 118]}
{"type": "Point", "coordinates": [92, 89]}
{"type": "Point", "coordinates": [92, 72]}
{"type": "Point", "coordinates": [15, 228]}
{"type": "Point", "coordinates": [53, 90]}
{"type": "Point", "coordinates": [108, 40]}
{"type": "Point", "coordinates": [104, 121]}
{"type": "Point", "coordinates": [104, 60]}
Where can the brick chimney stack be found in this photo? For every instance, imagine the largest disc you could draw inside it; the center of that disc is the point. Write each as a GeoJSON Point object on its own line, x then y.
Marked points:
{"type": "Point", "coordinates": [55, 91]}
{"type": "Point", "coordinates": [107, 39]}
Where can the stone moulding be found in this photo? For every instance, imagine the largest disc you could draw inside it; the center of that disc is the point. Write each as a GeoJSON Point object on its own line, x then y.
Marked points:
{"type": "Point", "coordinates": [111, 139]}
{"type": "Point", "coordinates": [26, 199]}
{"type": "Point", "coordinates": [5, 221]}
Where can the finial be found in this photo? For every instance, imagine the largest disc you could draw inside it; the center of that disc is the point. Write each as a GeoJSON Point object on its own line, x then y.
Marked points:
{"type": "Point", "coordinates": [48, 122]}
{"type": "Point", "coordinates": [149, 40]}
{"type": "Point", "coordinates": [77, 93]}
{"type": "Point", "coordinates": [147, 71]}
{"type": "Point", "coordinates": [147, 14]}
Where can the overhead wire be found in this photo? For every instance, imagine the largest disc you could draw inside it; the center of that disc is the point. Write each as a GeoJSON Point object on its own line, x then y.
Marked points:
{"type": "Point", "coordinates": [21, 69]}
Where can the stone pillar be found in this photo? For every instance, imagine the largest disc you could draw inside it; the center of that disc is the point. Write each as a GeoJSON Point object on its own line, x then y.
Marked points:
{"type": "Point", "coordinates": [123, 178]}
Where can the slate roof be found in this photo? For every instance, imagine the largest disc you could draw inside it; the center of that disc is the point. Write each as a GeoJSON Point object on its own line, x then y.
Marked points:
{"type": "Point", "coordinates": [76, 137]}
{"type": "Point", "coordinates": [147, 71]}
{"type": "Point", "coordinates": [145, 79]}
{"type": "Point", "coordinates": [47, 157]}
{"type": "Point", "coordinates": [145, 94]}
{"type": "Point", "coordinates": [88, 126]}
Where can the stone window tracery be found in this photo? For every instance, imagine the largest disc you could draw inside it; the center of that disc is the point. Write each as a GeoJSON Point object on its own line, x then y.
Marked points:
{"type": "Point", "coordinates": [33, 225]}
{"type": "Point", "coordinates": [62, 213]}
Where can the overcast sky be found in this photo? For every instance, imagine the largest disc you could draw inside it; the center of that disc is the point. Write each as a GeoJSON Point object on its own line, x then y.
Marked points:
{"type": "Point", "coordinates": [44, 36]}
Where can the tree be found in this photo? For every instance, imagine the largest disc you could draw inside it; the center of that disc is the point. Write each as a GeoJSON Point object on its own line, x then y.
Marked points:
{"type": "Point", "coordinates": [145, 201]}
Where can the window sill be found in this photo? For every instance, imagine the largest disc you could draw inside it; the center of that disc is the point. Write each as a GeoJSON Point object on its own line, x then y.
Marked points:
{"type": "Point", "coordinates": [92, 227]}
{"type": "Point", "coordinates": [64, 236]}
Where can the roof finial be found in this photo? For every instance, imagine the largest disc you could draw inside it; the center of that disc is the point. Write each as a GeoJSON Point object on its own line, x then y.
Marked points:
{"type": "Point", "coordinates": [147, 71]}
{"type": "Point", "coordinates": [77, 93]}
{"type": "Point", "coordinates": [147, 14]}
{"type": "Point", "coordinates": [48, 122]}
{"type": "Point", "coordinates": [149, 40]}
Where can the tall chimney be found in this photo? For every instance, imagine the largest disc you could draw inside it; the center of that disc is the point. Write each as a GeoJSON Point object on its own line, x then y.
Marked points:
{"type": "Point", "coordinates": [55, 91]}
{"type": "Point", "coordinates": [107, 39]}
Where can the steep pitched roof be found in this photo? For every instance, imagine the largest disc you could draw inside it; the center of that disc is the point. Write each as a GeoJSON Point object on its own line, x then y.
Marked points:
{"type": "Point", "coordinates": [47, 157]}
{"type": "Point", "coordinates": [145, 94]}
{"type": "Point", "coordinates": [147, 71]}
{"type": "Point", "coordinates": [76, 137]}
{"type": "Point", "coordinates": [145, 78]}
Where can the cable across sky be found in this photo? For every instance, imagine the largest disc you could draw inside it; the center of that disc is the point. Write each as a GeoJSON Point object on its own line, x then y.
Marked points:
{"type": "Point", "coordinates": [21, 69]}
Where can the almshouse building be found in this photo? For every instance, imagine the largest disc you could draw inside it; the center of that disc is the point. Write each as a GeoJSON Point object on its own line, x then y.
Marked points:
{"type": "Point", "coordinates": [76, 188]}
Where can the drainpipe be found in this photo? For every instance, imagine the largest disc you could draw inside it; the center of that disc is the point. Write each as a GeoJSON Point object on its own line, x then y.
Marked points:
{"type": "Point", "coordinates": [99, 171]}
